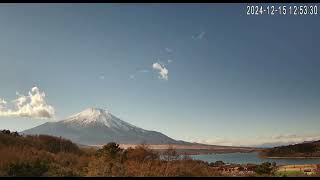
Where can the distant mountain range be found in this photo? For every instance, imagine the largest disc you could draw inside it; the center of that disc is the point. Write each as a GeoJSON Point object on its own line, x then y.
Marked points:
{"type": "Point", "coordinates": [97, 126]}
{"type": "Point", "coordinates": [271, 145]}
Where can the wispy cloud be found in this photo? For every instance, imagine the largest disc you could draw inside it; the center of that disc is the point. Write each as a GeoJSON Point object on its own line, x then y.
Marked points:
{"type": "Point", "coordinates": [163, 71]}
{"type": "Point", "coordinates": [144, 71]}
{"type": "Point", "coordinates": [168, 50]}
{"type": "Point", "coordinates": [132, 76]}
{"type": "Point", "coordinates": [199, 36]}
{"type": "Point", "coordinates": [101, 77]}
{"type": "Point", "coordinates": [2, 103]}
{"type": "Point", "coordinates": [159, 66]}
{"type": "Point", "coordinates": [33, 106]}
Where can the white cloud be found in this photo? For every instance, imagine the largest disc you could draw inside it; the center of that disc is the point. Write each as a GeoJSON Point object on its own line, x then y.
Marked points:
{"type": "Point", "coordinates": [32, 106]}
{"type": "Point", "coordinates": [199, 36]}
{"type": "Point", "coordinates": [170, 61]}
{"type": "Point", "coordinates": [163, 72]}
{"type": "Point", "coordinates": [2, 103]}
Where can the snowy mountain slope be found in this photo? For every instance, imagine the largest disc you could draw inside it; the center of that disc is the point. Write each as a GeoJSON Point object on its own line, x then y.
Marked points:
{"type": "Point", "coordinates": [97, 126]}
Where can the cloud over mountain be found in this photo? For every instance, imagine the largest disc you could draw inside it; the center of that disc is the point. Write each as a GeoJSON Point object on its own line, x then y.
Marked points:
{"type": "Point", "coordinates": [199, 36]}
{"type": "Point", "coordinates": [32, 105]}
{"type": "Point", "coordinates": [163, 71]}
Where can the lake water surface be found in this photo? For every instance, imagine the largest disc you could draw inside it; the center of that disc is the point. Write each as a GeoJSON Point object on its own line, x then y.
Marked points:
{"type": "Point", "coordinates": [244, 158]}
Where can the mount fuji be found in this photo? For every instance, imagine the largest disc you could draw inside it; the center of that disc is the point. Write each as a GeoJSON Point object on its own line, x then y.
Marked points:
{"type": "Point", "coordinates": [97, 126]}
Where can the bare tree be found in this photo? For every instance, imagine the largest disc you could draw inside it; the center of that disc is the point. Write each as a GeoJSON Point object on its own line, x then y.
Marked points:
{"type": "Point", "coordinates": [170, 154]}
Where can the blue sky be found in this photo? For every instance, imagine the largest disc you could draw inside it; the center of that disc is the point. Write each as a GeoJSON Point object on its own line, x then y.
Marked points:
{"type": "Point", "coordinates": [231, 77]}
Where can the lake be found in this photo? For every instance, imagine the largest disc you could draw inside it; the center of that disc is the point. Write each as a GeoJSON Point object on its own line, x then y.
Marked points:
{"type": "Point", "coordinates": [244, 158]}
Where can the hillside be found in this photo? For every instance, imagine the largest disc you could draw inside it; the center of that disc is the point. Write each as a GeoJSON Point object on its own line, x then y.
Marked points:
{"type": "Point", "coordinates": [305, 149]}
{"type": "Point", "coordinates": [39, 142]}
{"type": "Point", "coordinates": [43, 155]}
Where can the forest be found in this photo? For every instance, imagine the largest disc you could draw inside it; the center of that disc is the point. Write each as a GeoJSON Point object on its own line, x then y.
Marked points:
{"type": "Point", "coordinates": [43, 155]}
{"type": "Point", "coordinates": [306, 149]}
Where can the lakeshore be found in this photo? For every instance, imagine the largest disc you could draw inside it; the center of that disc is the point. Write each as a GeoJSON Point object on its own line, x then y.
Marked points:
{"type": "Point", "coordinates": [253, 158]}
{"type": "Point", "coordinates": [288, 157]}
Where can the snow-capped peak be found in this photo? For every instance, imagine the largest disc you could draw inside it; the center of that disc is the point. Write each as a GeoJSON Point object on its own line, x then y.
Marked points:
{"type": "Point", "coordinates": [98, 116]}
{"type": "Point", "coordinates": [98, 126]}
{"type": "Point", "coordinates": [91, 113]}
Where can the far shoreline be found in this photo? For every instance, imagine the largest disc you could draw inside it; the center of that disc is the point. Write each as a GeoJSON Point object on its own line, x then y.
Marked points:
{"type": "Point", "coordinates": [291, 157]}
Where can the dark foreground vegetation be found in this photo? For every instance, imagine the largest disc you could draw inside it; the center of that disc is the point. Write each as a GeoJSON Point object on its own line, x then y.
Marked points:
{"type": "Point", "coordinates": [307, 149]}
{"type": "Point", "coordinates": [42, 155]}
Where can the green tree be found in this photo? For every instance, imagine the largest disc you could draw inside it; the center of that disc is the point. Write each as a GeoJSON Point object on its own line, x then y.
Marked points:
{"type": "Point", "coordinates": [111, 149]}
{"type": "Point", "coordinates": [108, 161]}
{"type": "Point", "coordinates": [217, 163]}
{"type": "Point", "coordinates": [37, 168]}
{"type": "Point", "coordinates": [265, 168]}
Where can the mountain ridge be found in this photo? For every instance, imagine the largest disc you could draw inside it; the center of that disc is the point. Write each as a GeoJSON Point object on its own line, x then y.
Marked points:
{"type": "Point", "coordinates": [99, 126]}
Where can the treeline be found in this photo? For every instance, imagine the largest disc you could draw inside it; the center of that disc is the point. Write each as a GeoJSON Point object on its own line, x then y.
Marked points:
{"type": "Point", "coordinates": [40, 142]}
{"type": "Point", "coordinates": [42, 155]}
{"type": "Point", "coordinates": [309, 149]}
